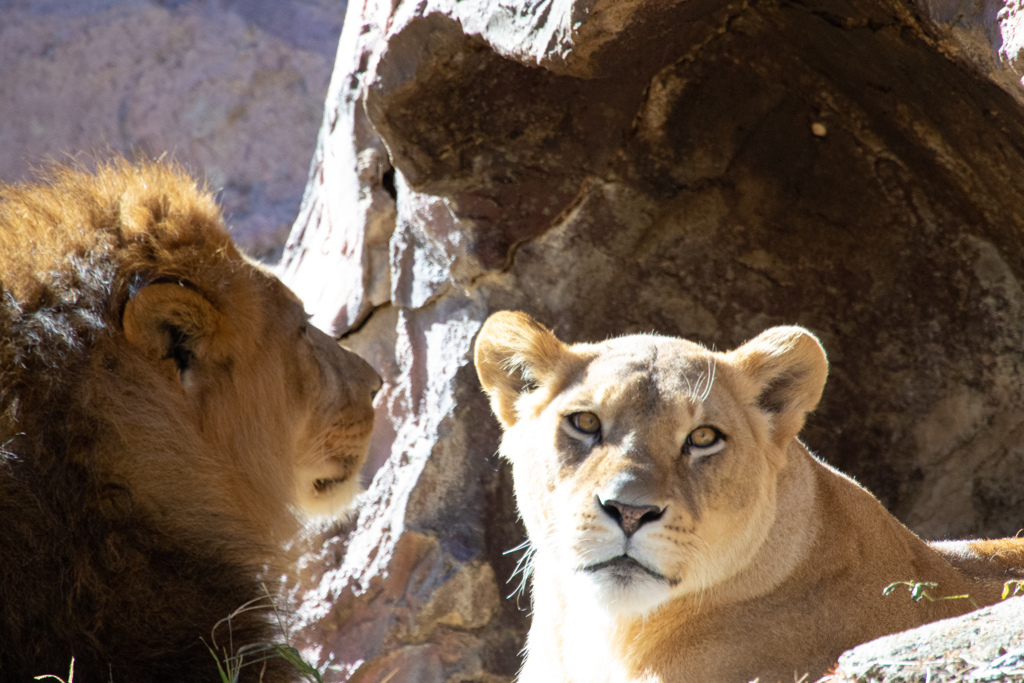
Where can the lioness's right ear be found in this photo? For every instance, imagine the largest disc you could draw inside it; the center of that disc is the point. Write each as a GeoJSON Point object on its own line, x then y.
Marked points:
{"type": "Point", "coordinates": [786, 368]}
{"type": "Point", "coordinates": [170, 321]}
{"type": "Point", "coordinates": [513, 353]}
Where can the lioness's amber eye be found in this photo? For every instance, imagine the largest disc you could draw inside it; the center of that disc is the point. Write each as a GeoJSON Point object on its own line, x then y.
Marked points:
{"type": "Point", "coordinates": [702, 437]}
{"type": "Point", "coordinates": [588, 423]}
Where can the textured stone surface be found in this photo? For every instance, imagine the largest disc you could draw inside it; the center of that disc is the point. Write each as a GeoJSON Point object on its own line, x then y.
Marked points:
{"type": "Point", "coordinates": [988, 34]}
{"type": "Point", "coordinates": [987, 645]}
{"type": "Point", "coordinates": [702, 168]}
{"type": "Point", "coordinates": [234, 90]}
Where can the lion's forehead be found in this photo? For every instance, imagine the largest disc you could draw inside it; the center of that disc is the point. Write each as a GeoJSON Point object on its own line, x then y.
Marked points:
{"type": "Point", "coordinates": [648, 374]}
{"type": "Point", "coordinates": [666, 356]}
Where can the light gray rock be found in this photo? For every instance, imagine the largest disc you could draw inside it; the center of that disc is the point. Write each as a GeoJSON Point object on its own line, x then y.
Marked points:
{"type": "Point", "coordinates": [986, 645]}
{"type": "Point", "coordinates": [233, 90]}
{"type": "Point", "coordinates": [702, 169]}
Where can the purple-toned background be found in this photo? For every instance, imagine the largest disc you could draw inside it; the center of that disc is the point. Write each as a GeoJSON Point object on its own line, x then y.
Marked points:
{"type": "Point", "coordinates": [232, 89]}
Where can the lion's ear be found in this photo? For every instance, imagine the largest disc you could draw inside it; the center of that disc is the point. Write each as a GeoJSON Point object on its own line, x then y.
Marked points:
{"type": "Point", "coordinates": [514, 353]}
{"type": "Point", "coordinates": [170, 321]}
{"type": "Point", "coordinates": [787, 367]}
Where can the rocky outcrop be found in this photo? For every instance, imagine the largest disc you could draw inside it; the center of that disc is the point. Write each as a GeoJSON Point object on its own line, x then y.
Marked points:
{"type": "Point", "coordinates": [233, 90]}
{"type": "Point", "coordinates": [987, 645]}
{"type": "Point", "coordinates": [702, 169]}
{"type": "Point", "coordinates": [987, 34]}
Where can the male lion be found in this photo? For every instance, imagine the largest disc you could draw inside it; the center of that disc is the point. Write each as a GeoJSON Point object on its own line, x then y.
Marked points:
{"type": "Point", "coordinates": [163, 408]}
{"type": "Point", "coordinates": [681, 532]}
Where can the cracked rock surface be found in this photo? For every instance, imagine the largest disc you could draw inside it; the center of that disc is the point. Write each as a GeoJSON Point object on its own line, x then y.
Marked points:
{"type": "Point", "coordinates": [704, 169]}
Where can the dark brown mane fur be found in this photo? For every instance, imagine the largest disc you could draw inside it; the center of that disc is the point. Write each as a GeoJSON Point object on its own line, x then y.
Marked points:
{"type": "Point", "coordinates": [84, 571]}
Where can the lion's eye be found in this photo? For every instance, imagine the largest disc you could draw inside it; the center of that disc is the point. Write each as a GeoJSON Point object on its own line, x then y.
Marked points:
{"type": "Point", "coordinates": [588, 423]}
{"type": "Point", "coordinates": [703, 436]}
{"type": "Point", "coordinates": [704, 440]}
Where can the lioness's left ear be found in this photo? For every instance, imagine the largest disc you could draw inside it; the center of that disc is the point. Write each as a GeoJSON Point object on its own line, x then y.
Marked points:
{"type": "Point", "coordinates": [514, 352]}
{"type": "Point", "coordinates": [787, 367]}
{"type": "Point", "coordinates": [170, 321]}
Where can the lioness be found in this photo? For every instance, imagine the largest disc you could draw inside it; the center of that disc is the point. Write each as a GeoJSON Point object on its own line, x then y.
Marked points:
{"type": "Point", "coordinates": [680, 530]}
{"type": "Point", "coordinates": [164, 409]}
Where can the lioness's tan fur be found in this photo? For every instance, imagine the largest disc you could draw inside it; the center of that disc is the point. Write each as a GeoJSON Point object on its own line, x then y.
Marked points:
{"type": "Point", "coordinates": [164, 410]}
{"type": "Point", "coordinates": [755, 561]}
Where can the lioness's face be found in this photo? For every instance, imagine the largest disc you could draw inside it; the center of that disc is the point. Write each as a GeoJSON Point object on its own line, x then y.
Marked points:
{"type": "Point", "coordinates": [645, 466]}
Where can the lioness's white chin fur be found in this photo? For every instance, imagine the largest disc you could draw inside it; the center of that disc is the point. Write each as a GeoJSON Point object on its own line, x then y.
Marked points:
{"type": "Point", "coordinates": [642, 595]}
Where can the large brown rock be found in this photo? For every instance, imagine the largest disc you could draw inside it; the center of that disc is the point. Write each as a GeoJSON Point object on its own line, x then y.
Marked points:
{"type": "Point", "coordinates": [702, 169]}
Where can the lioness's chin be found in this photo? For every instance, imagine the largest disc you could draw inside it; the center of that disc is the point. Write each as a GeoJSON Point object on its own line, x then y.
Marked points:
{"type": "Point", "coordinates": [622, 586]}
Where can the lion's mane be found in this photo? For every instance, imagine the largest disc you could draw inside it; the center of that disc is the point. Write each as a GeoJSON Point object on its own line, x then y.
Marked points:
{"type": "Point", "coordinates": [86, 570]}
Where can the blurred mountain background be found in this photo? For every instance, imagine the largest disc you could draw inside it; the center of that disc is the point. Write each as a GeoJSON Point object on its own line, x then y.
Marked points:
{"type": "Point", "coordinates": [232, 89]}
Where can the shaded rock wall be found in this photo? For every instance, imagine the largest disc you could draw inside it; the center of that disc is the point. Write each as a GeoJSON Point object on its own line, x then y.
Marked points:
{"type": "Point", "coordinates": [231, 89]}
{"type": "Point", "coordinates": [700, 168]}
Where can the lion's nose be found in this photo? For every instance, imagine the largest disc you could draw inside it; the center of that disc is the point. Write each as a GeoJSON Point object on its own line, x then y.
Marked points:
{"type": "Point", "coordinates": [631, 517]}
{"type": "Point", "coordinates": [370, 377]}
{"type": "Point", "coordinates": [376, 388]}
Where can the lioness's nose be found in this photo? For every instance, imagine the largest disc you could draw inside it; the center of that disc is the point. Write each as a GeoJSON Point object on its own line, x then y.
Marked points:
{"type": "Point", "coordinates": [631, 517]}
